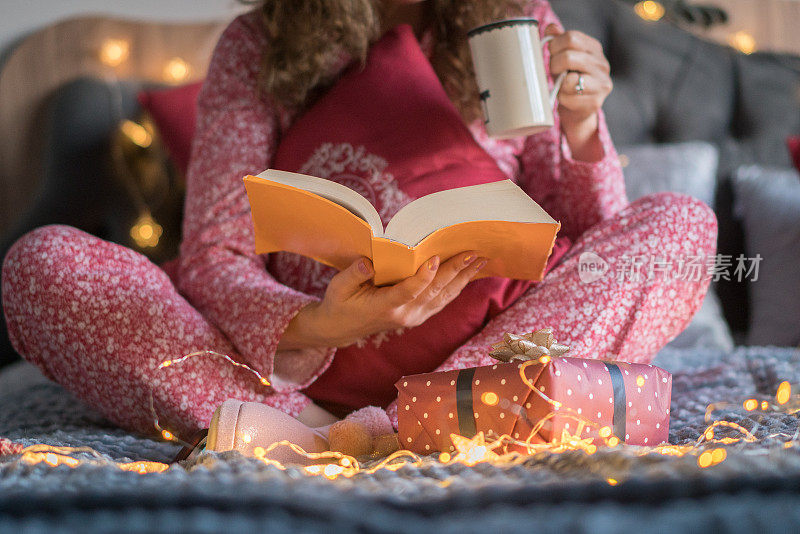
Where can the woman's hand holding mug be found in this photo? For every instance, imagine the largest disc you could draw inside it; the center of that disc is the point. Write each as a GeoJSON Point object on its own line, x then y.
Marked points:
{"type": "Point", "coordinates": [585, 88]}
{"type": "Point", "coordinates": [514, 91]}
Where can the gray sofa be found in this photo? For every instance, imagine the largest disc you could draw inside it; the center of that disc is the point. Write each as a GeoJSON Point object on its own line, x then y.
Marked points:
{"type": "Point", "coordinates": [670, 87]}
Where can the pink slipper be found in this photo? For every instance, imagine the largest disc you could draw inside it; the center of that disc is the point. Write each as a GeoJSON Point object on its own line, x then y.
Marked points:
{"type": "Point", "coordinates": [367, 431]}
{"type": "Point", "coordinates": [243, 426]}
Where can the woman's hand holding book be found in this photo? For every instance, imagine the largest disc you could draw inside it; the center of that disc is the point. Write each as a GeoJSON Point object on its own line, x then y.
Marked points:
{"type": "Point", "coordinates": [354, 308]}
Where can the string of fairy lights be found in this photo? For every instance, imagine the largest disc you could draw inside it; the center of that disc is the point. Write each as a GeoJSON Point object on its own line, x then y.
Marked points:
{"type": "Point", "coordinates": [704, 16]}
{"type": "Point", "coordinates": [709, 449]}
{"type": "Point", "coordinates": [145, 232]}
{"type": "Point", "coordinates": [680, 11]}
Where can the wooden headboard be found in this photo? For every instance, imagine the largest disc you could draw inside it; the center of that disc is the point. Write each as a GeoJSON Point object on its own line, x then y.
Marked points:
{"type": "Point", "coordinates": [71, 49]}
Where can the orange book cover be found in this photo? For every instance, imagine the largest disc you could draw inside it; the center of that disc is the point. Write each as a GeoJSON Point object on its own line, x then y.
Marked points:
{"type": "Point", "coordinates": [319, 226]}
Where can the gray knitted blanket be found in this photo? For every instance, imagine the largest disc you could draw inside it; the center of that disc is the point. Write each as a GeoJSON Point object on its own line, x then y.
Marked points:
{"type": "Point", "coordinates": [756, 488]}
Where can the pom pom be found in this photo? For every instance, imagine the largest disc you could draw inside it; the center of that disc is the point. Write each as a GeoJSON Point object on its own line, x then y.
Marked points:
{"type": "Point", "coordinates": [385, 445]}
{"type": "Point", "coordinates": [374, 418]}
{"type": "Point", "coordinates": [350, 437]}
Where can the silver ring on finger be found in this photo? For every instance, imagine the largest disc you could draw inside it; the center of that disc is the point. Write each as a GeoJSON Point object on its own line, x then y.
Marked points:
{"type": "Point", "coordinates": [581, 85]}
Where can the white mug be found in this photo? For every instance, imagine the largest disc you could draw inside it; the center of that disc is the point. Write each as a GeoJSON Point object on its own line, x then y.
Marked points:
{"type": "Point", "coordinates": [509, 69]}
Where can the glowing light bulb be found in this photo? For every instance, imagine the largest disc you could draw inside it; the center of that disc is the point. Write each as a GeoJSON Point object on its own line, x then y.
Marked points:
{"type": "Point", "coordinates": [705, 459]}
{"type": "Point", "coordinates": [332, 470]}
{"type": "Point", "coordinates": [784, 392]}
{"type": "Point", "coordinates": [764, 405]}
{"type": "Point", "coordinates": [718, 455]}
{"type": "Point", "coordinates": [750, 404]}
{"type": "Point", "coordinates": [114, 52]}
{"type": "Point", "coordinates": [489, 398]}
{"type": "Point", "coordinates": [167, 435]}
{"type": "Point", "coordinates": [613, 441]}
{"type": "Point", "coordinates": [444, 457]}
{"type": "Point", "coordinates": [612, 481]}
{"type": "Point", "coordinates": [604, 432]}
{"type": "Point", "coordinates": [137, 133]}
{"type": "Point", "coordinates": [146, 232]}
{"type": "Point", "coordinates": [473, 451]}
{"type": "Point", "coordinates": [649, 10]}
{"type": "Point", "coordinates": [640, 380]}
{"type": "Point", "coordinates": [743, 42]}
{"type": "Point", "coordinates": [176, 70]}
{"type": "Point", "coordinates": [247, 438]}
{"type": "Point", "coordinates": [544, 360]}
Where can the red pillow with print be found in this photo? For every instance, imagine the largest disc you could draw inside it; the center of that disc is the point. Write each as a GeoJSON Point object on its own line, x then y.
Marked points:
{"type": "Point", "coordinates": [794, 149]}
{"type": "Point", "coordinates": [174, 112]}
{"type": "Point", "coordinates": [395, 109]}
{"type": "Point", "coordinates": [389, 131]}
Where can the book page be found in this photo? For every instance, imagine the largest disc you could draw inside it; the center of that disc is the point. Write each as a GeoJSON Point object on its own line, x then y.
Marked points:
{"type": "Point", "coordinates": [287, 218]}
{"type": "Point", "coordinates": [495, 201]}
{"type": "Point", "coordinates": [333, 191]}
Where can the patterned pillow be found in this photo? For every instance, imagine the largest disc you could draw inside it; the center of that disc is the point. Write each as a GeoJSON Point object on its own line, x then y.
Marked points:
{"type": "Point", "coordinates": [391, 116]}
{"type": "Point", "coordinates": [389, 131]}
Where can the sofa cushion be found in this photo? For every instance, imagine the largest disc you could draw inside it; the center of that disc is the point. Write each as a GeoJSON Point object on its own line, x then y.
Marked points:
{"type": "Point", "coordinates": [174, 111]}
{"type": "Point", "coordinates": [389, 131]}
{"type": "Point", "coordinates": [794, 149]}
{"type": "Point", "coordinates": [689, 168]}
{"type": "Point", "coordinates": [767, 201]}
{"type": "Point", "coordinates": [396, 109]}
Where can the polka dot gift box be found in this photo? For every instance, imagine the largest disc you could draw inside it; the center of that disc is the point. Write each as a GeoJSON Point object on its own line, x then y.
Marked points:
{"type": "Point", "coordinates": [543, 400]}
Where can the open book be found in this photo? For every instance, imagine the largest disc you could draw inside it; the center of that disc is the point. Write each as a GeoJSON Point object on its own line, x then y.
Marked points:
{"type": "Point", "coordinates": [334, 225]}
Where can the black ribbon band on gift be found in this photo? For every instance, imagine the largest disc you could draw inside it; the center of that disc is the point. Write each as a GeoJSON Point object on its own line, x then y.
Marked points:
{"type": "Point", "coordinates": [464, 409]}
{"type": "Point", "coordinates": [620, 401]}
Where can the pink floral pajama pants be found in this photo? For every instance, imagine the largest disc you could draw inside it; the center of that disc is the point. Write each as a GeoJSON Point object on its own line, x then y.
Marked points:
{"type": "Point", "coordinates": [98, 318]}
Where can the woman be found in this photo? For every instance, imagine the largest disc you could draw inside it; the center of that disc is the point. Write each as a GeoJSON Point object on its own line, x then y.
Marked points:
{"type": "Point", "coordinates": [98, 318]}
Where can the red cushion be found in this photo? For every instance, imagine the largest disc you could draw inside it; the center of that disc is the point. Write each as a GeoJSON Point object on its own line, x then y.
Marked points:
{"type": "Point", "coordinates": [174, 111]}
{"type": "Point", "coordinates": [398, 110]}
{"type": "Point", "coordinates": [794, 149]}
{"type": "Point", "coordinates": [390, 132]}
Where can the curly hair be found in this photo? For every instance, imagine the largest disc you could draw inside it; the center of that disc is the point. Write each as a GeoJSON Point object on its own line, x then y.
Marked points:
{"type": "Point", "coordinates": [308, 38]}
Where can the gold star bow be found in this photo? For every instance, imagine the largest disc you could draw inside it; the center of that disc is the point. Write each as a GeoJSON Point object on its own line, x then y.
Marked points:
{"type": "Point", "coordinates": [527, 346]}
